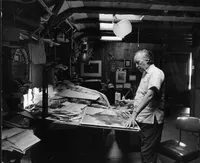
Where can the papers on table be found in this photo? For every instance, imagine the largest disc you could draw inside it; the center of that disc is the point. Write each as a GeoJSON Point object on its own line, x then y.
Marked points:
{"type": "Point", "coordinates": [69, 112]}
{"type": "Point", "coordinates": [73, 108]}
{"type": "Point", "coordinates": [105, 118]}
{"type": "Point", "coordinates": [18, 139]}
{"type": "Point", "coordinates": [74, 94]}
{"type": "Point", "coordinates": [10, 132]}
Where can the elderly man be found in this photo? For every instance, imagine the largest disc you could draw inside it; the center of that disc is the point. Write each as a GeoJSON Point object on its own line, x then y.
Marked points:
{"type": "Point", "coordinates": [148, 105]}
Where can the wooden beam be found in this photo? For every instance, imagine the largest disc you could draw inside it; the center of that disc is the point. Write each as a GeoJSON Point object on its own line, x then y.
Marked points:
{"type": "Point", "coordinates": [156, 32]}
{"type": "Point", "coordinates": [143, 24]}
{"type": "Point", "coordinates": [135, 11]}
{"type": "Point", "coordinates": [134, 39]}
{"type": "Point", "coordinates": [62, 16]}
{"type": "Point", "coordinates": [160, 2]}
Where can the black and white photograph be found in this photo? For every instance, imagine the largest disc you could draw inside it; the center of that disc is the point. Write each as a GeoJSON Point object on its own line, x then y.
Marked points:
{"type": "Point", "coordinates": [100, 81]}
{"type": "Point", "coordinates": [127, 63]}
{"type": "Point", "coordinates": [120, 76]}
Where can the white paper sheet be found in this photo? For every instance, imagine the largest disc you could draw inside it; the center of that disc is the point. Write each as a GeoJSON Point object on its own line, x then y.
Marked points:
{"type": "Point", "coordinates": [103, 117]}
{"type": "Point", "coordinates": [24, 140]}
{"type": "Point", "coordinates": [74, 94]}
{"type": "Point", "coordinates": [10, 132]}
{"type": "Point", "coordinates": [20, 141]}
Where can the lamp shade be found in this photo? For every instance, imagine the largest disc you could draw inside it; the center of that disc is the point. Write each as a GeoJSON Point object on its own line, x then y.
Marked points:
{"type": "Point", "coordinates": [122, 28]}
{"type": "Point", "coordinates": [84, 58]}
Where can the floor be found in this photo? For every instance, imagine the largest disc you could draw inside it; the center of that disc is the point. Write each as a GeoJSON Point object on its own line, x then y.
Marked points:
{"type": "Point", "coordinates": [76, 147]}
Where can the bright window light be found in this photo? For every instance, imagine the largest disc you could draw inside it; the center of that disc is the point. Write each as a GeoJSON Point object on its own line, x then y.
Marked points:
{"type": "Point", "coordinates": [110, 17]}
{"type": "Point", "coordinates": [182, 144]}
{"type": "Point", "coordinates": [106, 26]}
{"type": "Point", "coordinates": [111, 38]}
{"type": "Point", "coordinates": [130, 17]}
{"type": "Point", "coordinates": [190, 72]}
{"type": "Point", "coordinates": [106, 17]}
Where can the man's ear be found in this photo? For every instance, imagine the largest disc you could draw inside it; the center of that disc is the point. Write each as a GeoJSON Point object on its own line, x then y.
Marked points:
{"type": "Point", "coordinates": [148, 61]}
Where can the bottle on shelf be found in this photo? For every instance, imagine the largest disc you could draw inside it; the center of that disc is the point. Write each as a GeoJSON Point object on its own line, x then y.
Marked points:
{"type": "Point", "coordinates": [117, 97]}
{"type": "Point", "coordinates": [123, 97]}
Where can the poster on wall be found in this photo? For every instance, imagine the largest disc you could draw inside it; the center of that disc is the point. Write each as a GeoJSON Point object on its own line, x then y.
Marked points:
{"type": "Point", "coordinates": [121, 76]}
{"type": "Point", "coordinates": [127, 63]}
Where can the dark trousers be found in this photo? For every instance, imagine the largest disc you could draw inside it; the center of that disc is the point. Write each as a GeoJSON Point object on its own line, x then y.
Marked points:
{"type": "Point", "coordinates": [150, 135]}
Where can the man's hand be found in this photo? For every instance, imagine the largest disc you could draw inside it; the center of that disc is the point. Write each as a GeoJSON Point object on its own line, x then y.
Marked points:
{"type": "Point", "coordinates": [124, 113]}
{"type": "Point", "coordinates": [131, 121]}
{"type": "Point", "coordinates": [130, 106]}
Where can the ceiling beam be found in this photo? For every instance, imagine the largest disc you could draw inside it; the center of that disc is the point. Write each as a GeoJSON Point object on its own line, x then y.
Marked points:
{"type": "Point", "coordinates": [143, 39]}
{"type": "Point", "coordinates": [142, 24]}
{"type": "Point", "coordinates": [160, 33]}
{"type": "Point", "coordinates": [135, 11]}
{"type": "Point", "coordinates": [62, 16]}
{"type": "Point", "coordinates": [161, 2]}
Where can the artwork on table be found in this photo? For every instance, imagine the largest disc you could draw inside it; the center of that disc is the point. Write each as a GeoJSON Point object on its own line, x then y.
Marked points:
{"type": "Point", "coordinates": [120, 76]}
{"type": "Point", "coordinates": [69, 112]}
{"type": "Point", "coordinates": [127, 63]}
{"type": "Point", "coordinates": [77, 94]}
{"type": "Point", "coordinates": [105, 118]}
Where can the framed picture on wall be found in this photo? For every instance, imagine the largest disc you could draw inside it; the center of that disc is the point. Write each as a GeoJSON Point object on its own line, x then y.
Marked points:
{"type": "Point", "coordinates": [132, 77]}
{"type": "Point", "coordinates": [127, 85]}
{"type": "Point", "coordinates": [128, 63]}
{"type": "Point", "coordinates": [92, 69]}
{"type": "Point", "coordinates": [120, 76]}
{"type": "Point", "coordinates": [119, 86]}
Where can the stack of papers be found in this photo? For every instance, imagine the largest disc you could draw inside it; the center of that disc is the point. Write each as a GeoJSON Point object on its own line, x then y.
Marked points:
{"type": "Point", "coordinates": [69, 112]}
{"type": "Point", "coordinates": [75, 94]}
{"type": "Point", "coordinates": [18, 139]}
{"type": "Point", "coordinates": [106, 118]}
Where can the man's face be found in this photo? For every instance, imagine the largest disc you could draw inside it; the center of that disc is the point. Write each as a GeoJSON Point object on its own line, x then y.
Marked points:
{"type": "Point", "coordinates": [140, 62]}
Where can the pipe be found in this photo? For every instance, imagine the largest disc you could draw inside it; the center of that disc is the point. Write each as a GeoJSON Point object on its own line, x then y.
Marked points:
{"type": "Point", "coordinates": [46, 7]}
{"type": "Point", "coordinates": [69, 23]}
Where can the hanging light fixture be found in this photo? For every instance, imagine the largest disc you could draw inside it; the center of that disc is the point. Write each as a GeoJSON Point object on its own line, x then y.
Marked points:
{"type": "Point", "coordinates": [122, 28]}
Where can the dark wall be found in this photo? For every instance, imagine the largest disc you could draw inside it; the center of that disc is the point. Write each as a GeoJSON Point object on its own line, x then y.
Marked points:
{"type": "Point", "coordinates": [175, 66]}
{"type": "Point", "coordinates": [63, 53]}
{"type": "Point", "coordinates": [172, 60]}
{"type": "Point", "coordinates": [195, 102]}
{"type": "Point", "coordinates": [114, 54]}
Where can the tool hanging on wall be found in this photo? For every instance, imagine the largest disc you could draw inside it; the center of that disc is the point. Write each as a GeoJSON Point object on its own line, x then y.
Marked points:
{"type": "Point", "coordinates": [138, 39]}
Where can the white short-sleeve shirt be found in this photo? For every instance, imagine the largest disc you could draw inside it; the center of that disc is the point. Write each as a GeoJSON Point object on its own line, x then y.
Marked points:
{"type": "Point", "coordinates": [152, 77]}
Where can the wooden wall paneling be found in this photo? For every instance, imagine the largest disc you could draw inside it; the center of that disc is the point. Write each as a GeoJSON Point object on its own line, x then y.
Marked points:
{"type": "Point", "coordinates": [120, 51]}
{"type": "Point", "coordinates": [196, 60]}
{"type": "Point", "coordinates": [195, 92]}
{"type": "Point", "coordinates": [36, 75]}
{"type": "Point", "coordinates": [196, 111]}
